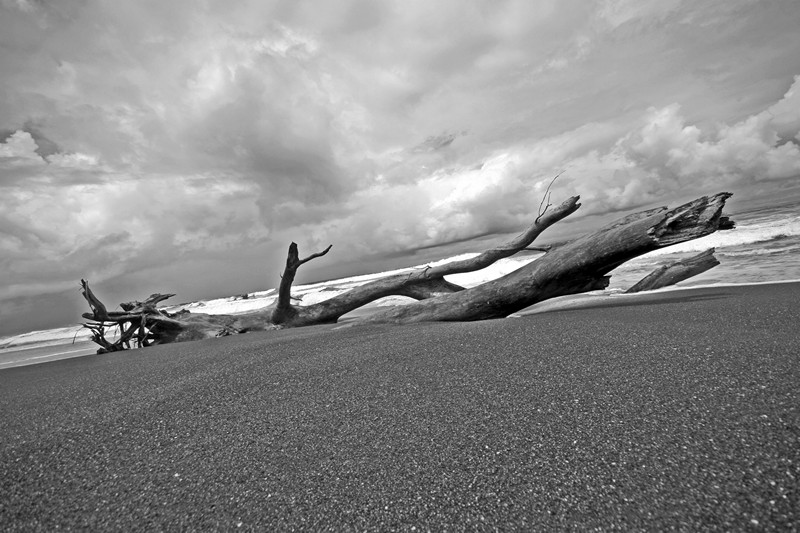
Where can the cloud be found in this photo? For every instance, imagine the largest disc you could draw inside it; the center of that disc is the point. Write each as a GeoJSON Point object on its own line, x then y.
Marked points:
{"type": "Point", "coordinates": [142, 141]}
{"type": "Point", "coordinates": [663, 156]}
{"type": "Point", "coordinates": [746, 150]}
{"type": "Point", "coordinates": [19, 149]}
{"type": "Point", "coordinates": [667, 155]}
{"type": "Point", "coordinates": [104, 230]}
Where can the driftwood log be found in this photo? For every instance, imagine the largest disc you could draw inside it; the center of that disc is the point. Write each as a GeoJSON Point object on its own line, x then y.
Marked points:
{"type": "Point", "coordinates": [673, 273]}
{"type": "Point", "coordinates": [420, 284]}
{"type": "Point", "coordinates": [143, 324]}
{"type": "Point", "coordinates": [578, 266]}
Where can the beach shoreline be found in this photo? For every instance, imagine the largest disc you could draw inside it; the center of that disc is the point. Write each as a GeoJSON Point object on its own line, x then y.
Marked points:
{"type": "Point", "coordinates": [17, 351]}
{"type": "Point", "coordinates": [679, 410]}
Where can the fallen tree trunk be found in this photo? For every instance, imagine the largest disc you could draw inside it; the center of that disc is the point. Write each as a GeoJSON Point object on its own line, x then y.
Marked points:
{"type": "Point", "coordinates": [579, 266]}
{"type": "Point", "coordinates": [420, 284]}
{"type": "Point", "coordinates": [673, 273]}
{"type": "Point", "coordinates": [158, 327]}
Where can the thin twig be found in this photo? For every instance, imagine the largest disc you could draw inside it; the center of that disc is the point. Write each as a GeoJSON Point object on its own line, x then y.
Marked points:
{"type": "Point", "coordinates": [546, 197]}
{"type": "Point", "coordinates": [75, 336]}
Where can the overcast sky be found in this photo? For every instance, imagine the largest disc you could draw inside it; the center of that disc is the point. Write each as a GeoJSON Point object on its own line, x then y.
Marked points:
{"type": "Point", "coordinates": [181, 145]}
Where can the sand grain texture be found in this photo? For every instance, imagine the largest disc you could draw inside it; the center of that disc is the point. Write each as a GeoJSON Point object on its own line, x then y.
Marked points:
{"type": "Point", "coordinates": [679, 410]}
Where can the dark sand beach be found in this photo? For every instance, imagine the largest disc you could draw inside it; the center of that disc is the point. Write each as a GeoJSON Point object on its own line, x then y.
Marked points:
{"type": "Point", "coordinates": [676, 410]}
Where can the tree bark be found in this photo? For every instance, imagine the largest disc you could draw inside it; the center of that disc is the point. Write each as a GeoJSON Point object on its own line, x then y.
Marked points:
{"type": "Point", "coordinates": [673, 273]}
{"type": "Point", "coordinates": [420, 284]}
{"type": "Point", "coordinates": [143, 324]}
{"type": "Point", "coordinates": [579, 266]}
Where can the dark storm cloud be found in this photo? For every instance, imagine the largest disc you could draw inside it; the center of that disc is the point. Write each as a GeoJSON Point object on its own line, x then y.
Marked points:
{"type": "Point", "coordinates": [140, 140]}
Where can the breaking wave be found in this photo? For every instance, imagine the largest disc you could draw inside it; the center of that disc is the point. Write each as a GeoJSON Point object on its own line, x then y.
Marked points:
{"type": "Point", "coordinates": [779, 230]}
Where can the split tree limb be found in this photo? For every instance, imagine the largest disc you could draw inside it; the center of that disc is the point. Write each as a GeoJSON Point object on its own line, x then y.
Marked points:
{"type": "Point", "coordinates": [673, 273]}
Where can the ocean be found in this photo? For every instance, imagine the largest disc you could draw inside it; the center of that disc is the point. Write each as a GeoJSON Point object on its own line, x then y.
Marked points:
{"type": "Point", "coordinates": [764, 247]}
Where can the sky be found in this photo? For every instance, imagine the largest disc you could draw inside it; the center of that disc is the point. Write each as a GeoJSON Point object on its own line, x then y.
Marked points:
{"type": "Point", "coordinates": [180, 146]}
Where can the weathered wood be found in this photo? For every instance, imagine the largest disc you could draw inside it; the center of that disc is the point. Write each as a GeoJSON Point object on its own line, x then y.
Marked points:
{"type": "Point", "coordinates": [145, 325]}
{"type": "Point", "coordinates": [673, 273]}
{"type": "Point", "coordinates": [99, 311]}
{"type": "Point", "coordinates": [151, 302]}
{"type": "Point", "coordinates": [578, 266]}
{"type": "Point", "coordinates": [284, 311]}
{"type": "Point", "coordinates": [420, 284]}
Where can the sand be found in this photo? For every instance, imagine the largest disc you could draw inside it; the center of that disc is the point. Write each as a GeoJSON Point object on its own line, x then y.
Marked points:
{"type": "Point", "coordinates": [675, 410]}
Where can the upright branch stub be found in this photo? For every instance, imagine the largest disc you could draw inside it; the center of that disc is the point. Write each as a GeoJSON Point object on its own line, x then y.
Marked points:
{"type": "Point", "coordinates": [293, 262]}
{"type": "Point", "coordinates": [99, 311]}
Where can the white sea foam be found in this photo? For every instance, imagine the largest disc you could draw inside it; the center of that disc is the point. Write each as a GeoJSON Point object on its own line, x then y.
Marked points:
{"type": "Point", "coordinates": [744, 234]}
{"type": "Point", "coordinates": [576, 301]}
{"type": "Point", "coordinates": [225, 306]}
{"type": "Point", "coordinates": [761, 251]}
{"type": "Point", "coordinates": [44, 337]}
